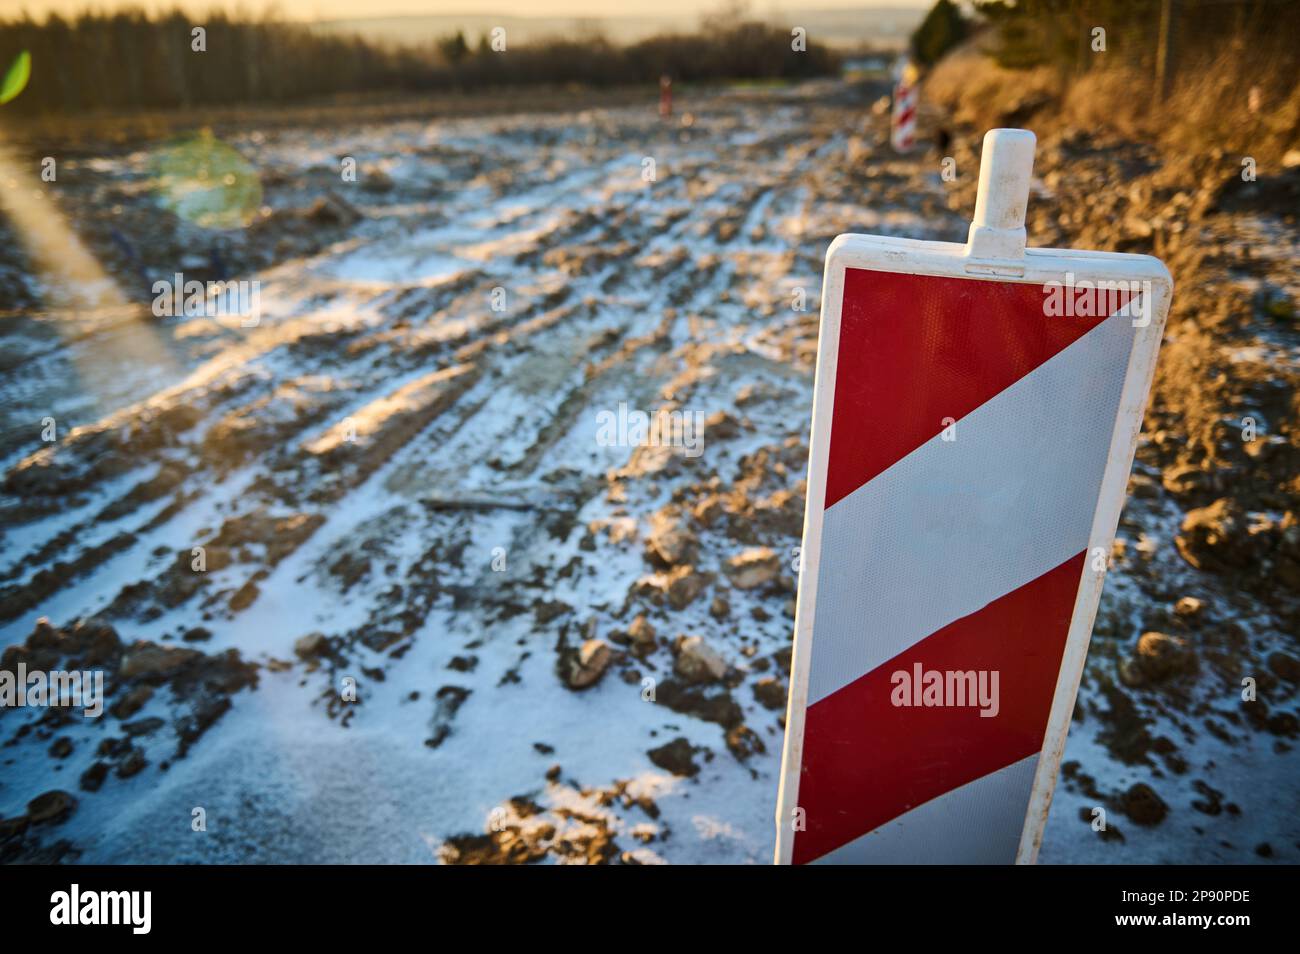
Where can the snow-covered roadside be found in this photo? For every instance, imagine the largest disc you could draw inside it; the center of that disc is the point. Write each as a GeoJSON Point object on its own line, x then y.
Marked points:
{"type": "Point", "coordinates": [480, 536]}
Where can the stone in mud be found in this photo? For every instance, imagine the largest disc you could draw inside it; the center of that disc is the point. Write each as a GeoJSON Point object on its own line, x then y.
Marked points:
{"type": "Point", "coordinates": [1124, 730]}
{"type": "Point", "coordinates": [1212, 801]}
{"type": "Point", "coordinates": [684, 585]}
{"type": "Point", "coordinates": [525, 834]}
{"type": "Point", "coordinates": [755, 567]}
{"type": "Point", "coordinates": [90, 643]}
{"type": "Point", "coordinates": [721, 426]}
{"type": "Point", "coordinates": [1143, 806]}
{"type": "Point", "coordinates": [744, 742]}
{"type": "Point", "coordinates": [329, 209]}
{"type": "Point", "coordinates": [1110, 833]}
{"type": "Point", "coordinates": [780, 514]}
{"type": "Point", "coordinates": [42, 650]}
{"type": "Point", "coordinates": [583, 668]}
{"type": "Point", "coordinates": [61, 747]}
{"type": "Point", "coordinates": [754, 394]}
{"type": "Point", "coordinates": [1285, 666]}
{"type": "Point", "coordinates": [1216, 537]}
{"type": "Point", "coordinates": [133, 763]}
{"type": "Point", "coordinates": [349, 569]}
{"type": "Point", "coordinates": [1284, 724]}
{"type": "Point", "coordinates": [42, 475]}
{"type": "Point", "coordinates": [112, 747]}
{"type": "Point", "coordinates": [1159, 656]}
{"type": "Point", "coordinates": [669, 543]}
{"type": "Point", "coordinates": [1142, 487]}
{"type": "Point", "coordinates": [45, 635]}
{"type": "Point", "coordinates": [676, 757]}
{"type": "Point", "coordinates": [720, 608]}
{"type": "Point", "coordinates": [143, 726]}
{"type": "Point", "coordinates": [94, 640]}
{"type": "Point", "coordinates": [770, 692]}
{"type": "Point", "coordinates": [13, 827]}
{"type": "Point", "coordinates": [204, 714]}
{"type": "Point", "coordinates": [226, 672]}
{"type": "Point", "coordinates": [93, 777]}
{"type": "Point", "coordinates": [1186, 481]}
{"type": "Point", "coordinates": [244, 597]}
{"type": "Point", "coordinates": [715, 706]}
{"type": "Point", "coordinates": [150, 661]}
{"type": "Point", "coordinates": [707, 510]}
{"type": "Point", "coordinates": [215, 557]}
{"type": "Point", "coordinates": [642, 635]}
{"type": "Point", "coordinates": [498, 848]}
{"type": "Point", "coordinates": [311, 646]}
{"type": "Point", "coordinates": [374, 179]}
{"type": "Point", "coordinates": [697, 661]}
{"type": "Point", "coordinates": [546, 610]}
{"type": "Point", "coordinates": [50, 807]}
{"type": "Point", "coordinates": [678, 587]}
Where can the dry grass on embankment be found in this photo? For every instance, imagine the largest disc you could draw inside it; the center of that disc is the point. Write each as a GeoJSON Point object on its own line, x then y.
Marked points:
{"type": "Point", "coordinates": [1208, 108]}
{"type": "Point", "coordinates": [1126, 173]}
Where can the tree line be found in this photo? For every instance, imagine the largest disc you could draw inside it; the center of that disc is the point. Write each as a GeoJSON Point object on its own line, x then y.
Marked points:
{"type": "Point", "coordinates": [133, 60]}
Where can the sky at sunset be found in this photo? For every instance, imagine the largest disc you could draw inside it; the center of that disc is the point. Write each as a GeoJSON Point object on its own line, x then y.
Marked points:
{"type": "Point", "coordinates": [347, 9]}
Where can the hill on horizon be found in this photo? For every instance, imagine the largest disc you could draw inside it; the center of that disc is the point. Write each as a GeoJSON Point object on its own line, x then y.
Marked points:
{"type": "Point", "coordinates": [875, 26]}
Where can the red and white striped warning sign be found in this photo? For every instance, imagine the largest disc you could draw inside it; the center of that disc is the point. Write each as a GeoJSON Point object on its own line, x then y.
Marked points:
{"type": "Point", "coordinates": [975, 416]}
{"type": "Point", "coordinates": [902, 126]}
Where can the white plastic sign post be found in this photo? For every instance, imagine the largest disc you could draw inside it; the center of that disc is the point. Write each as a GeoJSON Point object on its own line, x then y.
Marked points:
{"type": "Point", "coordinates": [975, 415]}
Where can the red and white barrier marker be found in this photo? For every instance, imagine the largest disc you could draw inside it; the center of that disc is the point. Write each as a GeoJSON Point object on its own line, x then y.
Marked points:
{"type": "Point", "coordinates": [665, 96]}
{"type": "Point", "coordinates": [976, 411]}
{"type": "Point", "coordinates": [902, 124]}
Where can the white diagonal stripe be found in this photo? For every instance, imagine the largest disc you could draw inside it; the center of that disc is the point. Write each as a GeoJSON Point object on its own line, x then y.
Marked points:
{"type": "Point", "coordinates": [957, 524]}
{"type": "Point", "coordinates": [978, 823]}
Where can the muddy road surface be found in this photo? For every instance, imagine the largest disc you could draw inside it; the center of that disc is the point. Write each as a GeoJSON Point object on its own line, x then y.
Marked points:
{"type": "Point", "coordinates": [382, 571]}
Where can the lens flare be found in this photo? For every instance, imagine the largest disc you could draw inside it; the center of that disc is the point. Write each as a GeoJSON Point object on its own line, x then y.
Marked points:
{"type": "Point", "coordinates": [207, 182]}
{"type": "Point", "coordinates": [16, 77]}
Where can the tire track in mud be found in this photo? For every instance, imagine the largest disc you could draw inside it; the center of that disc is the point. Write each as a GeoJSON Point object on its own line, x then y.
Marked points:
{"type": "Point", "coordinates": [408, 520]}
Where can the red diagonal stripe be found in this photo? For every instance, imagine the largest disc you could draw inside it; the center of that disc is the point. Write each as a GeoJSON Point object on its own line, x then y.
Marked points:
{"type": "Point", "coordinates": [915, 349]}
{"type": "Point", "coordinates": [866, 761]}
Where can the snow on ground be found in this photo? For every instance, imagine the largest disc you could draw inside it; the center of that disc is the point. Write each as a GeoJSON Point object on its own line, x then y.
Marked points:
{"type": "Point", "coordinates": [460, 550]}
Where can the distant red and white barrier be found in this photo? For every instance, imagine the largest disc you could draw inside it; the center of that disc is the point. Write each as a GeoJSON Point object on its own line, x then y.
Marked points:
{"type": "Point", "coordinates": [902, 126]}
